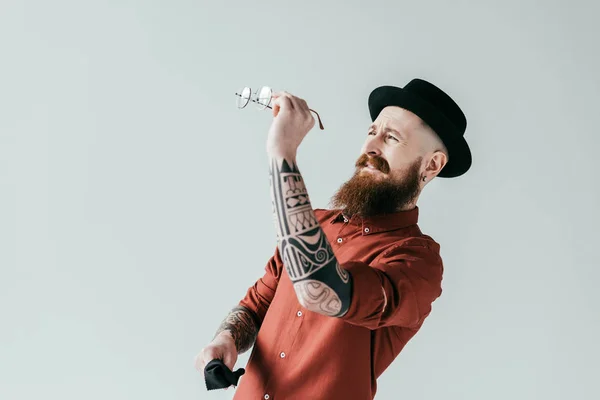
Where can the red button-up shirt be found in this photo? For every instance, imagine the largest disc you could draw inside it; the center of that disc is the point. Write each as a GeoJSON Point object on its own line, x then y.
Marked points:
{"type": "Point", "coordinates": [302, 355]}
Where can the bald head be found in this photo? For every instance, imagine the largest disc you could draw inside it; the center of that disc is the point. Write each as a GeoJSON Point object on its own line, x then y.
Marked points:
{"type": "Point", "coordinates": [429, 140]}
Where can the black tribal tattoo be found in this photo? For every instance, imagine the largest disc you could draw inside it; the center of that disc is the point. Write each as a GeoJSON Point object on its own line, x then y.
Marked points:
{"type": "Point", "coordinates": [320, 283]}
{"type": "Point", "coordinates": [243, 328]}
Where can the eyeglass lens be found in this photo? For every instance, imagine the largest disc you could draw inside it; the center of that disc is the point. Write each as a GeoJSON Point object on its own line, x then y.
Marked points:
{"type": "Point", "coordinates": [262, 97]}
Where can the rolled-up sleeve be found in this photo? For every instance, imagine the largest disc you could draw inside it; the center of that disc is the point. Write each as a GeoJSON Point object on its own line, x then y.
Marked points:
{"type": "Point", "coordinates": [259, 296]}
{"type": "Point", "coordinates": [397, 289]}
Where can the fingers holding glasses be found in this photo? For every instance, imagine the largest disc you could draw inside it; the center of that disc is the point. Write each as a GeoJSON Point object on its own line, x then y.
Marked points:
{"type": "Point", "coordinates": [290, 102]}
{"type": "Point", "coordinates": [296, 102]}
{"type": "Point", "coordinates": [281, 103]}
{"type": "Point", "coordinates": [283, 98]}
{"type": "Point", "coordinates": [307, 111]}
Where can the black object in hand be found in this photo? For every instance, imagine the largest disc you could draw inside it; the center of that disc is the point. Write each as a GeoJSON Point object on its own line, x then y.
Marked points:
{"type": "Point", "coordinates": [218, 376]}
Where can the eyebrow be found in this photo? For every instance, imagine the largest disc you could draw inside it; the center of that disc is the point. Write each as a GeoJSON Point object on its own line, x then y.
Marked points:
{"type": "Point", "coordinates": [388, 129]}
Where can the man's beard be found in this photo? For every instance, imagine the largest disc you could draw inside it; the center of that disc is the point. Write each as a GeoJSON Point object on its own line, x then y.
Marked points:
{"type": "Point", "coordinates": [366, 194]}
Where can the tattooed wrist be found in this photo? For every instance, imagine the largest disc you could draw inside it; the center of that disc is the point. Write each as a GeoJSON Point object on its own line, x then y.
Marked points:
{"type": "Point", "coordinates": [277, 153]}
{"type": "Point", "coordinates": [242, 326]}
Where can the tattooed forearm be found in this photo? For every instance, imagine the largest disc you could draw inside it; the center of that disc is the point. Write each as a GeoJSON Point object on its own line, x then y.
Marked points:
{"type": "Point", "coordinates": [320, 283]}
{"type": "Point", "coordinates": [242, 326]}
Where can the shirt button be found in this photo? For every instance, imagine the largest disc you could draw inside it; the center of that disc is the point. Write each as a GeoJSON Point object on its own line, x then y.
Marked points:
{"type": "Point", "coordinates": [299, 313]}
{"type": "Point", "coordinates": [267, 396]}
{"type": "Point", "coordinates": [367, 230]}
{"type": "Point", "coordinates": [282, 355]}
{"type": "Point", "coordinates": [339, 240]}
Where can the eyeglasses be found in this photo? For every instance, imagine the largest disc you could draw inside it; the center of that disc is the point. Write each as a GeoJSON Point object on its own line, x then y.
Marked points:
{"type": "Point", "coordinates": [262, 98]}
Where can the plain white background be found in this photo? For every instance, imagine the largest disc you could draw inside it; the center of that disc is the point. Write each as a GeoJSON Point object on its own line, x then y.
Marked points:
{"type": "Point", "coordinates": [135, 208]}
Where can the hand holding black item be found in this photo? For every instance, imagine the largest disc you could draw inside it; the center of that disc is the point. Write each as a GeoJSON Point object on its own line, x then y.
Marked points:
{"type": "Point", "coordinates": [218, 376]}
{"type": "Point", "coordinates": [217, 360]}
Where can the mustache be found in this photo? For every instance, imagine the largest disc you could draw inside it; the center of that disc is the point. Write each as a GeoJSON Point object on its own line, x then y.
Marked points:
{"type": "Point", "coordinates": [376, 161]}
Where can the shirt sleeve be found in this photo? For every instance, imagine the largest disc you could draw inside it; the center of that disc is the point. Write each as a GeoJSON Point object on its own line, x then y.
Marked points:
{"type": "Point", "coordinates": [259, 296]}
{"type": "Point", "coordinates": [397, 289]}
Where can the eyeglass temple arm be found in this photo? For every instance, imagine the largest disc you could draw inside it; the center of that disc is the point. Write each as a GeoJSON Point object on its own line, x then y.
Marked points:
{"type": "Point", "coordinates": [318, 117]}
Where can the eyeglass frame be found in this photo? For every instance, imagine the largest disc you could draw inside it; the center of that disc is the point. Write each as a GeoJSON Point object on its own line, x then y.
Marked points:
{"type": "Point", "coordinates": [263, 106]}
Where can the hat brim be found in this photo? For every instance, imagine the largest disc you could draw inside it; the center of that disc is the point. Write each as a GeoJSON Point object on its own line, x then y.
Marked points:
{"type": "Point", "coordinates": [459, 153]}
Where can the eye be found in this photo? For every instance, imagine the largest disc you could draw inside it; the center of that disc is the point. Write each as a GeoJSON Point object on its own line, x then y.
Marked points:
{"type": "Point", "coordinates": [392, 137]}
{"type": "Point", "coordinates": [371, 133]}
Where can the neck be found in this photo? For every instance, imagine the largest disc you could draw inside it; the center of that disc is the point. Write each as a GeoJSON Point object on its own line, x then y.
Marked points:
{"type": "Point", "coordinates": [408, 206]}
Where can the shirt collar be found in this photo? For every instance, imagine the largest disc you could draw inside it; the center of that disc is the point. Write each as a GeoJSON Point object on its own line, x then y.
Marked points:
{"type": "Point", "coordinates": [380, 223]}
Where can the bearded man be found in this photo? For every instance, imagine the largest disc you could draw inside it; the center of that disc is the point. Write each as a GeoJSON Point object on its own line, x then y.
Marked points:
{"type": "Point", "coordinates": [349, 286]}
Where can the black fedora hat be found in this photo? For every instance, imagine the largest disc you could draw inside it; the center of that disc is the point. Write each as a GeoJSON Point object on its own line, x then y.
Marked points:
{"type": "Point", "coordinates": [438, 110]}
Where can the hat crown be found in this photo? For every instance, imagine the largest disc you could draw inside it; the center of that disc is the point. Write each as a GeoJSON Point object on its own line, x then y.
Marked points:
{"type": "Point", "coordinates": [440, 100]}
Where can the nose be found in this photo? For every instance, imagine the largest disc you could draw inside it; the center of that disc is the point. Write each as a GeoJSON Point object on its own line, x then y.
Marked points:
{"type": "Point", "coordinates": [372, 147]}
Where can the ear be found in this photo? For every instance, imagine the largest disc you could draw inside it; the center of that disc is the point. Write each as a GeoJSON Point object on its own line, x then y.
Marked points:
{"type": "Point", "coordinates": [436, 162]}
